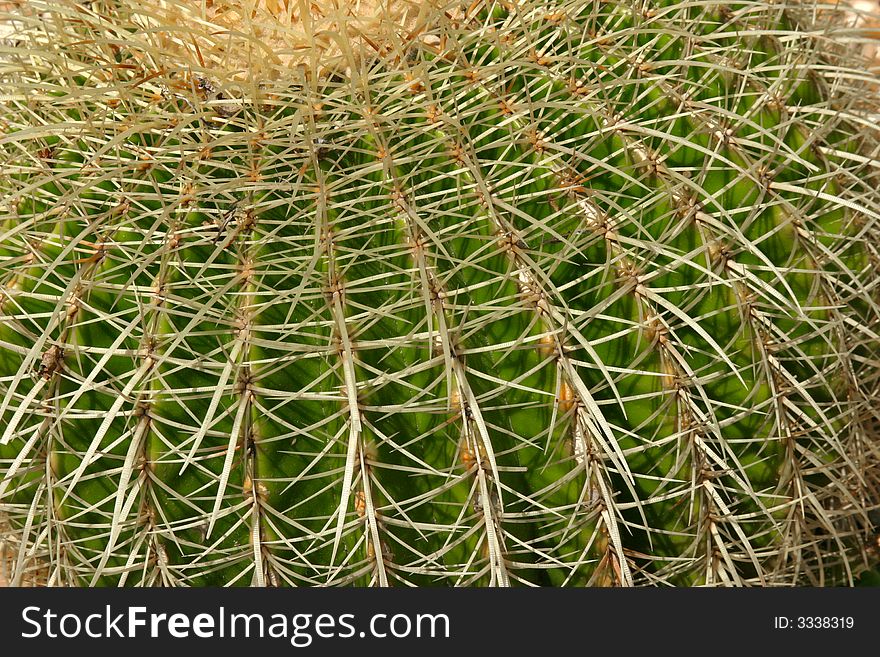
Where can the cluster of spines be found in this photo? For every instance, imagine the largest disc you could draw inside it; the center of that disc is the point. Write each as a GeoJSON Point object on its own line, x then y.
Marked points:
{"type": "Point", "coordinates": [502, 149]}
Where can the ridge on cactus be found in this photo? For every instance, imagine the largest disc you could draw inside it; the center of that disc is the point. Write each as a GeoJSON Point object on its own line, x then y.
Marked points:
{"type": "Point", "coordinates": [556, 293]}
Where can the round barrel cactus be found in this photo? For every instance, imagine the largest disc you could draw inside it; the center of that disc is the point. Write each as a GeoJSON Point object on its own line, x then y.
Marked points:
{"type": "Point", "coordinates": [527, 292]}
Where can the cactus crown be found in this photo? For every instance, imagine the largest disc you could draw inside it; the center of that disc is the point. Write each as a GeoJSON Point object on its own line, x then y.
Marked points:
{"type": "Point", "coordinates": [264, 39]}
{"type": "Point", "coordinates": [557, 293]}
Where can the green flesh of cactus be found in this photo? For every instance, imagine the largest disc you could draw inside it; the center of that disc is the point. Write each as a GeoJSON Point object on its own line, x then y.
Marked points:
{"type": "Point", "coordinates": [586, 294]}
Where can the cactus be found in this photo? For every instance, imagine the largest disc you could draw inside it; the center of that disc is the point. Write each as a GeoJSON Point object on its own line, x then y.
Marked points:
{"type": "Point", "coordinates": [573, 293]}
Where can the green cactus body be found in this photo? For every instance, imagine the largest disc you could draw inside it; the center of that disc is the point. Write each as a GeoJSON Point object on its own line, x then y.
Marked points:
{"type": "Point", "coordinates": [580, 294]}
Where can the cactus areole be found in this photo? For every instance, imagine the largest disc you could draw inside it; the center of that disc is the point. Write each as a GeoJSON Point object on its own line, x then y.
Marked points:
{"type": "Point", "coordinates": [575, 293]}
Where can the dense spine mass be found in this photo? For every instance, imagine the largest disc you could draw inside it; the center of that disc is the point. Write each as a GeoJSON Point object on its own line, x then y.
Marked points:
{"type": "Point", "coordinates": [576, 293]}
